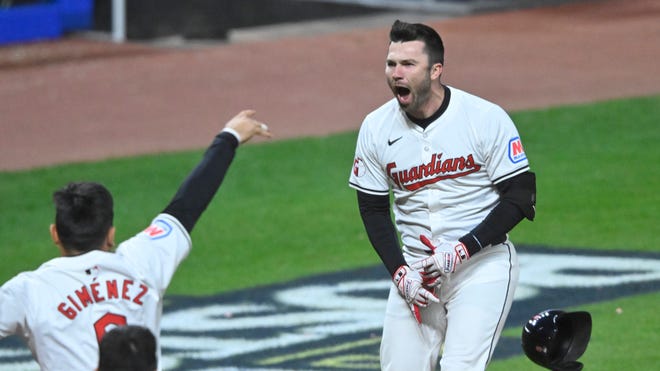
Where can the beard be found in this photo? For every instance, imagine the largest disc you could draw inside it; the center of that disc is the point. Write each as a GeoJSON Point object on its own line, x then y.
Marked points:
{"type": "Point", "coordinates": [412, 99]}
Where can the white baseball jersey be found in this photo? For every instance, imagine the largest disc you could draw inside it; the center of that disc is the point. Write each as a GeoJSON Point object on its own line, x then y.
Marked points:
{"type": "Point", "coordinates": [443, 182]}
{"type": "Point", "coordinates": [442, 177]}
{"type": "Point", "coordinates": [63, 308]}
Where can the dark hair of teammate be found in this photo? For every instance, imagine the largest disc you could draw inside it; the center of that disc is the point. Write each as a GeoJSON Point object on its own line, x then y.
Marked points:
{"type": "Point", "coordinates": [83, 215]}
{"type": "Point", "coordinates": [128, 348]}
{"type": "Point", "coordinates": [403, 32]}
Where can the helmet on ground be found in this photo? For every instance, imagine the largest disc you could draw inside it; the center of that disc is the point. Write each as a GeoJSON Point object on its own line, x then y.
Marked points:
{"type": "Point", "coordinates": [555, 339]}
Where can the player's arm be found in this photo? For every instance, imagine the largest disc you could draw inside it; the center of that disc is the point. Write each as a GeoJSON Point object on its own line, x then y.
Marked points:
{"type": "Point", "coordinates": [375, 213]}
{"type": "Point", "coordinates": [517, 202]}
{"type": "Point", "coordinates": [197, 190]}
{"type": "Point", "coordinates": [12, 310]}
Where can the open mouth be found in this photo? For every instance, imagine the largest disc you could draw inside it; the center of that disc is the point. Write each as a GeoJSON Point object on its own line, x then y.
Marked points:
{"type": "Point", "coordinates": [402, 94]}
{"type": "Point", "coordinates": [402, 91]}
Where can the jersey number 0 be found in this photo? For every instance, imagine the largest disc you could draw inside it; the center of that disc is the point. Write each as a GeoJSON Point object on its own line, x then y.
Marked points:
{"type": "Point", "coordinates": [108, 319]}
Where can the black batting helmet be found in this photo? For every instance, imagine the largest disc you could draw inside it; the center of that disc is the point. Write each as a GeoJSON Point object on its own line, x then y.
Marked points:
{"type": "Point", "coordinates": [555, 339]}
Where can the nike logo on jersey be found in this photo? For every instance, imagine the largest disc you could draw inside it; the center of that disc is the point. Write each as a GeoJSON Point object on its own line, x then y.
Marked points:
{"type": "Point", "coordinates": [390, 142]}
{"type": "Point", "coordinates": [431, 172]}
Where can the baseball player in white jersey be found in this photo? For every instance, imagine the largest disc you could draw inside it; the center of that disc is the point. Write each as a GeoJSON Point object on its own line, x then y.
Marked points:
{"type": "Point", "coordinates": [460, 181]}
{"type": "Point", "coordinates": [63, 308]}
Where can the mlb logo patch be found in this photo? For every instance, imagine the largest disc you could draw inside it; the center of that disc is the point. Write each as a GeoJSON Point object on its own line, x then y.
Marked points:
{"type": "Point", "coordinates": [516, 151]}
{"type": "Point", "coordinates": [158, 229]}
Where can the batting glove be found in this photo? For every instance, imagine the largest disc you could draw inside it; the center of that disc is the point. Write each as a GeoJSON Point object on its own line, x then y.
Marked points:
{"type": "Point", "coordinates": [442, 262]}
{"type": "Point", "coordinates": [409, 283]}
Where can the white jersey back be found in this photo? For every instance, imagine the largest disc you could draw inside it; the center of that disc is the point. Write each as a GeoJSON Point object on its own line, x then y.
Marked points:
{"type": "Point", "coordinates": [442, 176]}
{"type": "Point", "coordinates": [64, 307]}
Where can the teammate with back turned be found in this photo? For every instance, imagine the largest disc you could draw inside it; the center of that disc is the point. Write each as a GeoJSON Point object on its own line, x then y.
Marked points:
{"type": "Point", "coordinates": [460, 181]}
{"type": "Point", "coordinates": [64, 308]}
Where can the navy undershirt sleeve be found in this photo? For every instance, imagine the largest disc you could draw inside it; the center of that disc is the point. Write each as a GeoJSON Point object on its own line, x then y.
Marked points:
{"type": "Point", "coordinates": [517, 202]}
{"type": "Point", "coordinates": [198, 189]}
{"type": "Point", "coordinates": [375, 213]}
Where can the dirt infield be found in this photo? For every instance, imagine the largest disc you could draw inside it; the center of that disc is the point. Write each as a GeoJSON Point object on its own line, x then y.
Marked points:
{"type": "Point", "coordinates": [78, 99]}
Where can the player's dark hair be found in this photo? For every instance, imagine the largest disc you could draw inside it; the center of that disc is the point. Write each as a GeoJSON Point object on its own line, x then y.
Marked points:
{"type": "Point", "coordinates": [128, 348]}
{"type": "Point", "coordinates": [402, 32]}
{"type": "Point", "coordinates": [83, 215]}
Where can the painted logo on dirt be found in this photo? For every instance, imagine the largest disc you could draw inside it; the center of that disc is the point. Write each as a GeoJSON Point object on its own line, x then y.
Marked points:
{"type": "Point", "coordinates": [333, 321]}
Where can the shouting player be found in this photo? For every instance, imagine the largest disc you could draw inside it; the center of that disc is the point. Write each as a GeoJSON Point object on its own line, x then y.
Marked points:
{"type": "Point", "coordinates": [460, 182]}
{"type": "Point", "coordinates": [63, 309]}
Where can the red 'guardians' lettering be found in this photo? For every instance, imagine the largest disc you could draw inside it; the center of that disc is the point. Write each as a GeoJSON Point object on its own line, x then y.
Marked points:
{"type": "Point", "coordinates": [431, 172]}
{"type": "Point", "coordinates": [98, 292]}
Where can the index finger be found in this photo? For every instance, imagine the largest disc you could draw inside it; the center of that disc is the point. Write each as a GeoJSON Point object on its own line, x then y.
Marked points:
{"type": "Point", "coordinates": [247, 112]}
{"type": "Point", "coordinates": [429, 295]}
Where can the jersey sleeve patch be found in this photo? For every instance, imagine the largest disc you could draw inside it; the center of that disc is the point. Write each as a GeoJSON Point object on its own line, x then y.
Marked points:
{"type": "Point", "coordinates": [516, 151]}
{"type": "Point", "coordinates": [158, 229]}
{"type": "Point", "coordinates": [359, 167]}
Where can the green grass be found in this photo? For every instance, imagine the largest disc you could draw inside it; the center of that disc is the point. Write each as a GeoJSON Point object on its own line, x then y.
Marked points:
{"type": "Point", "coordinates": [619, 341]}
{"type": "Point", "coordinates": [285, 211]}
{"type": "Point", "coordinates": [597, 174]}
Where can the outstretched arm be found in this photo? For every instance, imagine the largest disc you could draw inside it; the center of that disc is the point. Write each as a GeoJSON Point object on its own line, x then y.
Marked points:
{"type": "Point", "coordinates": [196, 192]}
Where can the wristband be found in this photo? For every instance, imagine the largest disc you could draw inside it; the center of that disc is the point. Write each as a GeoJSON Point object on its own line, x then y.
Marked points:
{"type": "Point", "coordinates": [472, 243]}
{"type": "Point", "coordinates": [232, 132]}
